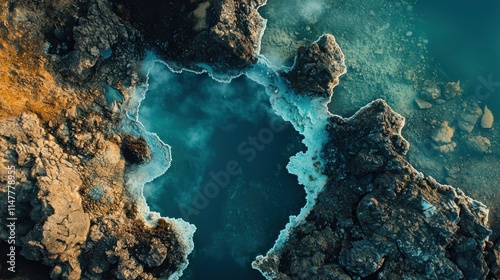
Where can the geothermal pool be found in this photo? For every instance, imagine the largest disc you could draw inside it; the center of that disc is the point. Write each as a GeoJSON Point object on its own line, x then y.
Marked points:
{"type": "Point", "coordinates": [228, 175]}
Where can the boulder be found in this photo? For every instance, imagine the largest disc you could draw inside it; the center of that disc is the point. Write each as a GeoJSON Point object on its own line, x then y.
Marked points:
{"type": "Point", "coordinates": [135, 150]}
{"type": "Point", "coordinates": [487, 118]}
{"type": "Point", "coordinates": [478, 143]}
{"type": "Point", "coordinates": [317, 67]}
{"type": "Point", "coordinates": [469, 116]}
{"type": "Point", "coordinates": [452, 89]}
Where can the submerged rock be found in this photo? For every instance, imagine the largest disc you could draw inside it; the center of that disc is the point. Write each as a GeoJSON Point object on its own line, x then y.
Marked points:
{"type": "Point", "coordinates": [478, 143]}
{"type": "Point", "coordinates": [443, 138]}
{"type": "Point", "coordinates": [452, 89]}
{"type": "Point", "coordinates": [317, 67]}
{"type": "Point", "coordinates": [444, 134]}
{"type": "Point", "coordinates": [487, 119]}
{"type": "Point", "coordinates": [422, 104]}
{"type": "Point", "coordinates": [469, 116]}
{"type": "Point", "coordinates": [431, 92]}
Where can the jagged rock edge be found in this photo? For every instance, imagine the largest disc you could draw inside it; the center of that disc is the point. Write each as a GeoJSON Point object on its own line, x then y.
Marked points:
{"type": "Point", "coordinates": [311, 192]}
{"type": "Point", "coordinates": [137, 176]}
{"type": "Point", "coordinates": [312, 188]}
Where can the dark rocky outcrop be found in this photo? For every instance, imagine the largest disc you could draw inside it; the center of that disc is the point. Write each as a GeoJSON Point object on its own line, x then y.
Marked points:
{"type": "Point", "coordinates": [135, 150]}
{"type": "Point", "coordinates": [97, 32]}
{"type": "Point", "coordinates": [223, 35]}
{"type": "Point", "coordinates": [493, 259]}
{"type": "Point", "coordinates": [378, 217]}
{"type": "Point", "coordinates": [317, 67]}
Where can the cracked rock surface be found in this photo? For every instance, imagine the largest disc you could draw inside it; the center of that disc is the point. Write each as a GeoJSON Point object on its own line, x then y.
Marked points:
{"type": "Point", "coordinates": [317, 67]}
{"type": "Point", "coordinates": [63, 133]}
{"type": "Point", "coordinates": [392, 221]}
{"type": "Point", "coordinates": [221, 35]}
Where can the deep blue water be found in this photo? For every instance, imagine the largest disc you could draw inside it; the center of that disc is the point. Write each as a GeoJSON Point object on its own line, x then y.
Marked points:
{"type": "Point", "coordinates": [208, 125]}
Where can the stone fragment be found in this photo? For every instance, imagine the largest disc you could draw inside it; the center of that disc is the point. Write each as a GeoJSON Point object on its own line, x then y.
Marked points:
{"type": "Point", "coordinates": [487, 119]}
{"type": "Point", "coordinates": [452, 89]}
{"type": "Point", "coordinates": [479, 143]}
{"type": "Point", "coordinates": [422, 104]}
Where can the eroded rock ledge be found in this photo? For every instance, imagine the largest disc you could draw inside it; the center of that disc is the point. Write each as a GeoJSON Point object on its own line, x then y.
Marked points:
{"type": "Point", "coordinates": [378, 216]}
{"type": "Point", "coordinates": [221, 35]}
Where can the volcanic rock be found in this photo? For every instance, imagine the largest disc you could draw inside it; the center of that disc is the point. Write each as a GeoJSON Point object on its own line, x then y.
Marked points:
{"type": "Point", "coordinates": [393, 220]}
{"type": "Point", "coordinates": [223, 36]}
{"type": "Point", "coordinates": [317, 67]}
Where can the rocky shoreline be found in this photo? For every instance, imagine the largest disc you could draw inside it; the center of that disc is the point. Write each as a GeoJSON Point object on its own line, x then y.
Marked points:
{"type": "Point", "coordinates": [392, 220]}
{"type": "Point", "coordinates": [68, 123]}
{"type": "Point", "coordinates": [73, 148]}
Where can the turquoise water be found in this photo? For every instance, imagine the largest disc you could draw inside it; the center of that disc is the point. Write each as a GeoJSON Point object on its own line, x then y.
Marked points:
{"type": "Point", "coordinates": [394, 49]}
{"type": "Point", "coordinates": [208, 125]}
{"type": "Point", "coordinates": [464, 39]}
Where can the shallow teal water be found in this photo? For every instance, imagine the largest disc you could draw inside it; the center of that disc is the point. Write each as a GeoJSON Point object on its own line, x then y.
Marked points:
{"type": "Point", "coordinates": [465, 41]}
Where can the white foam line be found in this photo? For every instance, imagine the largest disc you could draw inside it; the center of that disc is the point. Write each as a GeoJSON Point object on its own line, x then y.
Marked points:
{"type": "Point", "coordinates": [161, 159]}
{"type": "Point", "coordinates": [309, 116]}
